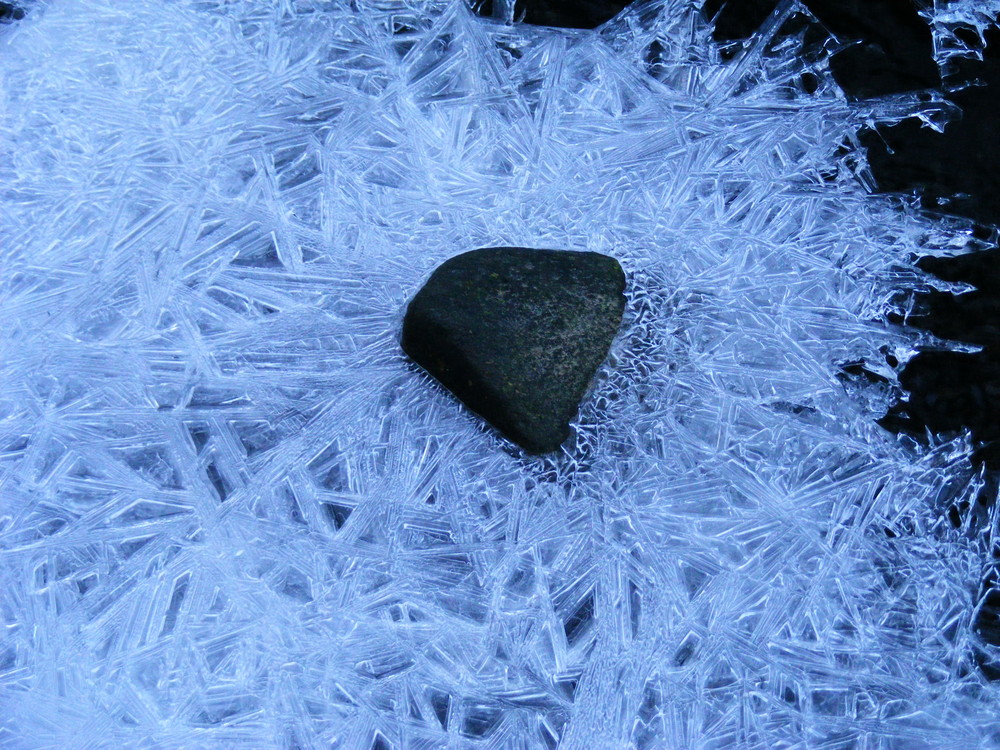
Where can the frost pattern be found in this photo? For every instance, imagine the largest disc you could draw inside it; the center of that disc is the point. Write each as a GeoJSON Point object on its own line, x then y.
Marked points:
{"type": "Point", "coordinates": [233, 516]}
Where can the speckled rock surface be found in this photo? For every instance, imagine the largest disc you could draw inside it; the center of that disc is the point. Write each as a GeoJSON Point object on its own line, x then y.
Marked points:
{"type": "Point", "coordinates": [517, 334]}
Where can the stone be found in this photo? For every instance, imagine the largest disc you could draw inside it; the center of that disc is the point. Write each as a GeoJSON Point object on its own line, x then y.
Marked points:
{"type": "Point", "coordinates": [517, 335]}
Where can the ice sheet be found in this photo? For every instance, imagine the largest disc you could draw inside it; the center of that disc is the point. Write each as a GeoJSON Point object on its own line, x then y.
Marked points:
{"type": "Point", "coordinates": [232, 515]}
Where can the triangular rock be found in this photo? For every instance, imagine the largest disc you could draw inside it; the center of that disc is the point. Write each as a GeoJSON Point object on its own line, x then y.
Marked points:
{"type": "Point", "coordinates": [517, 334]}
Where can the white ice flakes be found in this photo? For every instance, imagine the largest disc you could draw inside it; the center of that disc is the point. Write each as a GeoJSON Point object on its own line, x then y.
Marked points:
{"type": "Point", "coordinates": [231, 514]}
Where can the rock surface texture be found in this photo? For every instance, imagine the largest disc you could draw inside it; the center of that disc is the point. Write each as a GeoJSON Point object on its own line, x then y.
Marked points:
{"type": "Point", "coordinates": [517, 334]}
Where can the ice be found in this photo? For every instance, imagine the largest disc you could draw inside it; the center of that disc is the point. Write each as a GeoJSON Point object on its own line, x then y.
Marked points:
{"type": "Point", "coordinates": [231, 514]}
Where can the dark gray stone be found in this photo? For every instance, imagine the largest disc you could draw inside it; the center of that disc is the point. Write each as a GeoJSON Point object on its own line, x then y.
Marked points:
{"type": "Point", "coordinates": [518, 334]}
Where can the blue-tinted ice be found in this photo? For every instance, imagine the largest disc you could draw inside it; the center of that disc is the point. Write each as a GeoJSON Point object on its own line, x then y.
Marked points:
{"type": "Point", "coordinates": [232, 516]}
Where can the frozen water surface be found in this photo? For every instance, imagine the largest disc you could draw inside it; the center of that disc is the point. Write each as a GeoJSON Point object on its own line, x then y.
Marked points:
{"type": "Point", "coordinates": [234, 516]}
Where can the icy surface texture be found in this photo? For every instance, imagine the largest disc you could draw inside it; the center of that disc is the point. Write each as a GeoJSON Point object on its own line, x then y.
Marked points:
{"type": "Point", "coordinates": [958, 28]}
{"type": "Point", "coordinates": [234, 516]}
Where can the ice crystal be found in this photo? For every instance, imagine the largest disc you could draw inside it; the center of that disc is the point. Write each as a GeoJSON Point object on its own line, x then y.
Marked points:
{"type": "Point", "coordinates": [234, 516]}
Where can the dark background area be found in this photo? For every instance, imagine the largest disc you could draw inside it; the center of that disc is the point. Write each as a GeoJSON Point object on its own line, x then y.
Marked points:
{"type": "Point", "coordinates": [10, 12]}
